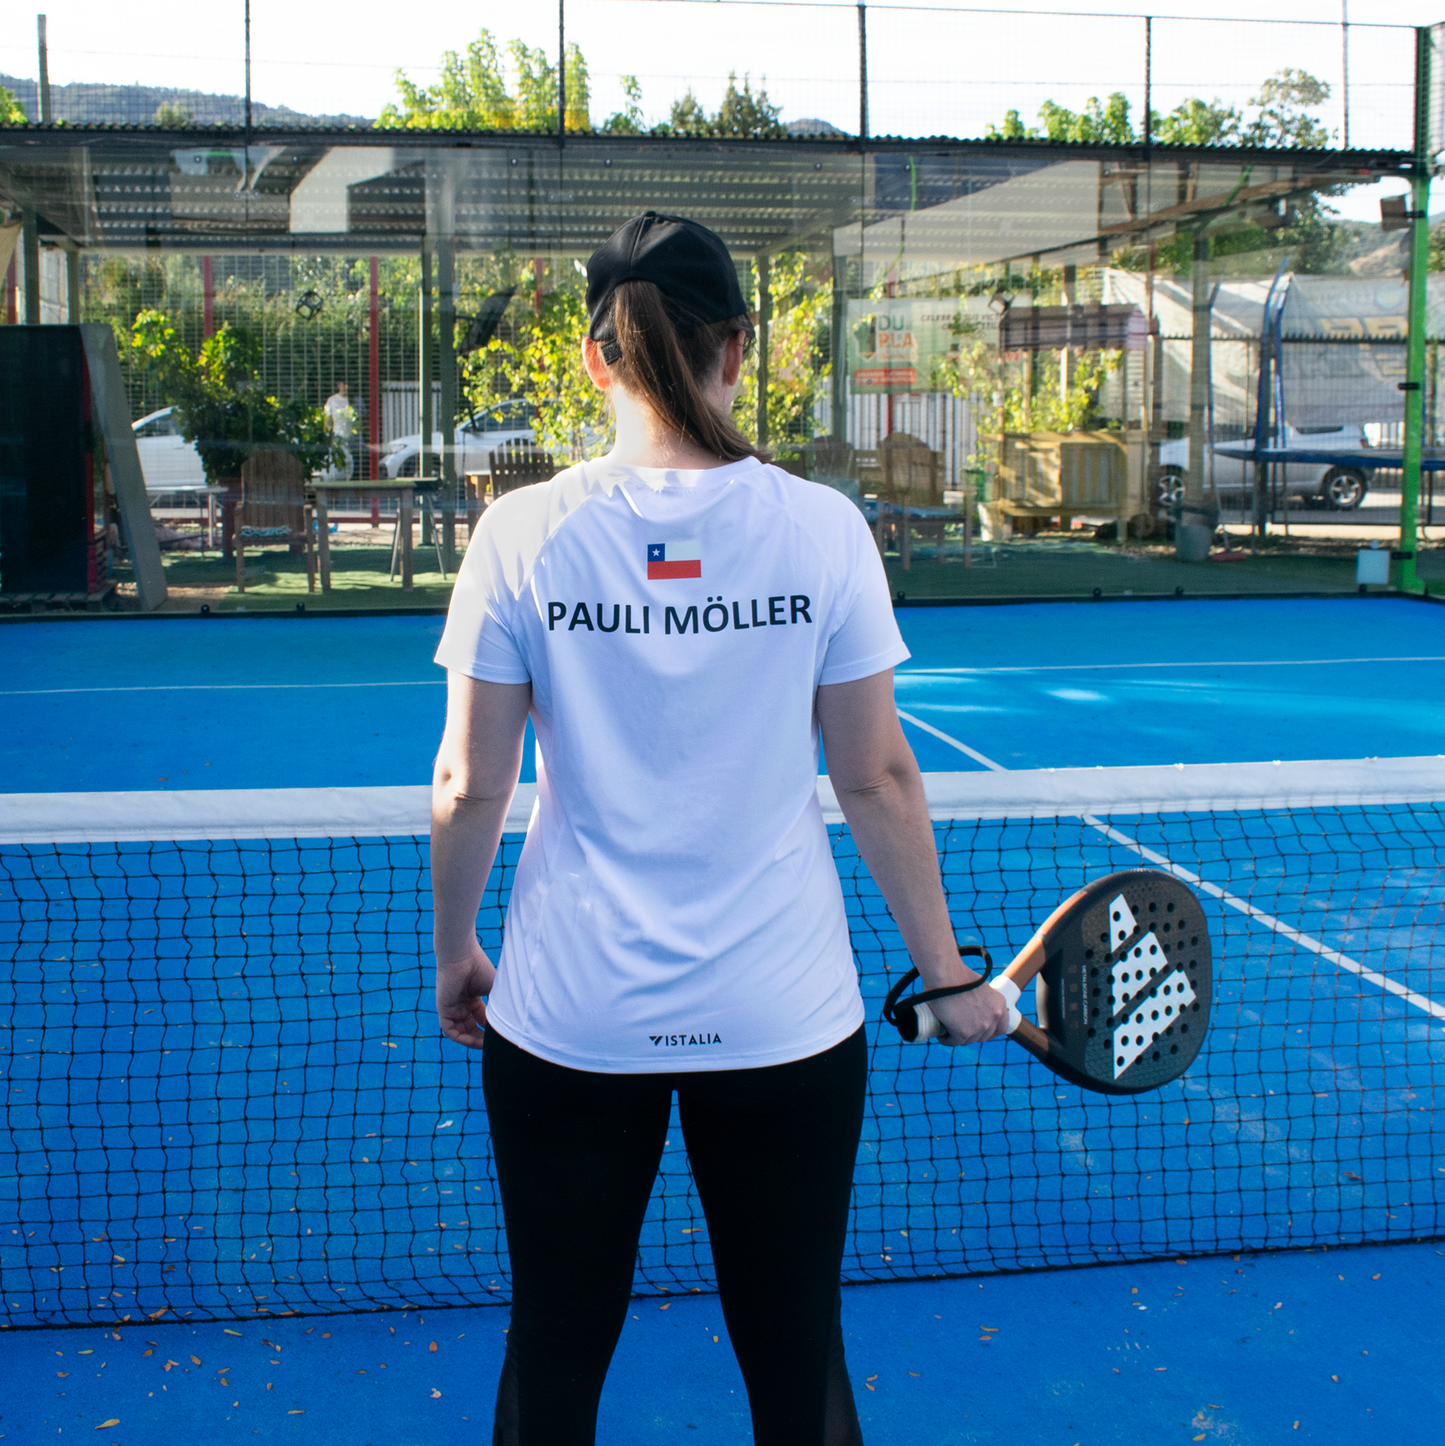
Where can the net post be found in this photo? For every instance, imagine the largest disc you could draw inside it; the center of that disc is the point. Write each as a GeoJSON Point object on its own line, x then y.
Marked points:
{"type": "Point", "coordinates": [1414, 384]}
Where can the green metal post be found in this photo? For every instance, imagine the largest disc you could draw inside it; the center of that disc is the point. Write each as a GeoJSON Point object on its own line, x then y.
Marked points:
{"type": "Point", "coordinates": [1414, 387]}
{"type": "Point", "coordinates": [765, 321]}
{"type": "Point", "coordinates": [447, 348]}
{"type": "Point", "coordinates": [72, 286]}
{"type": "Point", "coordinates": [426, 365]}
{"type": "Point", "coordinates": [30, 253]}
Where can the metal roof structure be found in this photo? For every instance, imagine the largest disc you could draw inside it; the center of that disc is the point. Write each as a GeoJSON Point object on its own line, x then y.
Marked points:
{"type": "Point", "coordinates": [213, 189]}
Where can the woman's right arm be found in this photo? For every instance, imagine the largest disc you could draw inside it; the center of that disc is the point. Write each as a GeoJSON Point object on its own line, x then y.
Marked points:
{"type": "Point", "coordinates": [472, 786]}
{"type": "Point", "coordinates": [876, 780]}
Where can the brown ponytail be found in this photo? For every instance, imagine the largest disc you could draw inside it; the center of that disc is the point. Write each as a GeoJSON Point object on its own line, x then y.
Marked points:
{"type": "Point", "coordinates": [665, 357]}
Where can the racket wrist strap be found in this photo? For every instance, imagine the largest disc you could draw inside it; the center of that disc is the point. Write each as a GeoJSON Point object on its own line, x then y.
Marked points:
{"type": "Point", "coordinates": [894, 1006]}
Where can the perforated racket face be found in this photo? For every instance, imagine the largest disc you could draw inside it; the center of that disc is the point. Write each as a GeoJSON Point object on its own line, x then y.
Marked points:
{"type": "Point", "coordinates": [1126, 991]}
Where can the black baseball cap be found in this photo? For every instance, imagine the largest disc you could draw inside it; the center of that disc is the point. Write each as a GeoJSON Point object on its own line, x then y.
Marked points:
{"type": "Point", "coordinates": [688, 263]}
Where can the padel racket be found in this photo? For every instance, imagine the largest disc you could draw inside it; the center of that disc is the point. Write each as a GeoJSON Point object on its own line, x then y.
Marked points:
{"type": "Point", "coordinates": [1124, 983]}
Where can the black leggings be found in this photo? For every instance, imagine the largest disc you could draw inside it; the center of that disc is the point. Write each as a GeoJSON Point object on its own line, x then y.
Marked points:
{"type": "Point", "coordinates": [772, 1153]}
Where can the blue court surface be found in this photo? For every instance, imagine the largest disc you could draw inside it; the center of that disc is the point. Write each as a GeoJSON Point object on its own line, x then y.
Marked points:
{"type": "Point", "coordinates": [238, 1024]}
{"type": "Point", "coordinates": [314, 701]}
{"type": "Point", "coordinates": [1340, 1347]}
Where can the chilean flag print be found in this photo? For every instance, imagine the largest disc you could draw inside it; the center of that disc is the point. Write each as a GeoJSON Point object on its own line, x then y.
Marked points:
{"type": "Point", "coordinates": [682, 557]}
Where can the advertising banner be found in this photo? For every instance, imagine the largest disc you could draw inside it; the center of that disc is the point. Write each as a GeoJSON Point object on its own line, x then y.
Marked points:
{"type": "Point", "coordinates": [895, 345]}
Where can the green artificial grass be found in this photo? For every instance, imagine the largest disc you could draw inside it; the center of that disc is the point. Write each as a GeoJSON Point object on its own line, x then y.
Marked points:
{"type": "Point", "coordinates": [276, 581]}
{"type": "Point", "coordinates": [1032, 569]}
{"type": "Point", "coordinates": [1022, 568]}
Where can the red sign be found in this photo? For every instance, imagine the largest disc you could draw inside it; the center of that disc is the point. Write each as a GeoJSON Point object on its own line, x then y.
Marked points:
{"type": "Point", "coordinates": [904, 378]}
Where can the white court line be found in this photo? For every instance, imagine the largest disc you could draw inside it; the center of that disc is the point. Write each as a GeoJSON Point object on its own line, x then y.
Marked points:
{"type": "Point", "coordinates": [215, 688]}
{"type": "Point", "coordinates": [1101, 667]}
{"type": "Point", "coordinates": [1305, 941]}
{"type": "Point", "coordinates": [952, 742]}
{"type": "Point", "coordinates": [905, 673]}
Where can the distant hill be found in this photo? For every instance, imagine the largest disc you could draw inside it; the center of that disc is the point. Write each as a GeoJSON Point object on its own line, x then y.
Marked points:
{"type": "Point", "coordinates": [86, 103]}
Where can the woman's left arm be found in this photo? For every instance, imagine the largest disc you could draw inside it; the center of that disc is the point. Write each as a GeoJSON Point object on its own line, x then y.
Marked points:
{"type": "Point", "coordinates": [472, 787]}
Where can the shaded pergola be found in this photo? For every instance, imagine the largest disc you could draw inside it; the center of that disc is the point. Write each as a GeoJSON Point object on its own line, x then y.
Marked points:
{"type": "Point", "coordinates": [926, 203]}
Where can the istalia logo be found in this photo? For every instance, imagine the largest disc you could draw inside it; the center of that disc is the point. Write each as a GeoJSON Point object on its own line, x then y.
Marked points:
{"type": "Point", "coordinates": [674, 1041]}
{"type": "Point", "coordinates": [682, 557]}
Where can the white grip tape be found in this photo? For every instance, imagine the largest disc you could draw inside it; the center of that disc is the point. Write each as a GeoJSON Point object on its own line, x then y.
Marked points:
{"type": "Point", "coordinates": [1010, 992]}
{"type": "Point", "coordinates": [930, 1028]}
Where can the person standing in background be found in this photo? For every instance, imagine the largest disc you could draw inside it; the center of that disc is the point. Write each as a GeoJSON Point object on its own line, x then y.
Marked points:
{"type": "Point", "coordinates": [341, 423]}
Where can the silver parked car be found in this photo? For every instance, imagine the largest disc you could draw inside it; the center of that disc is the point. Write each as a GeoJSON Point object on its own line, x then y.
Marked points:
{"type": "Point", "coordinates": [1340, 484]}
{"type": "Point", "coordinates": [505, 422]}
{"type": "Point", "coordinates": [168, 462]}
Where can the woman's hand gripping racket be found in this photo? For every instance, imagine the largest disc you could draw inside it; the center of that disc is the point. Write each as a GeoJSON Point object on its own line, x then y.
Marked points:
{"type": "Point", "coordinates": [1124, 985]}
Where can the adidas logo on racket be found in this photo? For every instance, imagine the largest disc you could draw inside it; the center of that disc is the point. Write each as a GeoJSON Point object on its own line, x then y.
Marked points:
{"type": "Point", "coordinates": [1123, 979]}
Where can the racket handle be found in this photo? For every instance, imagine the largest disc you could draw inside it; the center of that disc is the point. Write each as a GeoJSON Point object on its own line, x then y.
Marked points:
{"type": "Point", "coordinates": [930, 1028]}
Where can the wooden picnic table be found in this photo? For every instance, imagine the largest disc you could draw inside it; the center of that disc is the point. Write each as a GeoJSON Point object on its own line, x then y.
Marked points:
{"type": "Point", "coordinates": [403, 487]}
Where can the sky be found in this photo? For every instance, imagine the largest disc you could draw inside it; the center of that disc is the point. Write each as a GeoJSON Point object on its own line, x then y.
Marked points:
{"type": "Point", "coordinates": [932, 70]}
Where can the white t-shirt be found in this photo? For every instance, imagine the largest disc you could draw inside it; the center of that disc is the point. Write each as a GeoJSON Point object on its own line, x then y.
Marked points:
{"type": "Point", "coordinates": [340, 415]}
{"type": "Point", "coordinates": [676, 905]}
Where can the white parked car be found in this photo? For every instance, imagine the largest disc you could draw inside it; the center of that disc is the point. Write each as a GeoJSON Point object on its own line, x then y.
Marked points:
{"type": "Point", "coordinates": [1342, 485]}
{"type": "Point", "coordinates": [168, 462]}
{"type": "Point", "coordinates": [475, 439]}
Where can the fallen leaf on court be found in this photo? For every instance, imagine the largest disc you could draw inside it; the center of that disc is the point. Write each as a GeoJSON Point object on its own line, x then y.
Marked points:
{"type": "Point", "coordinates": [664, 1307]}
{"type": "Point", "coordinates": [432, 1346]}
{"type": "Point", "coordinates": [1117, 1371]}
{"type": "Point", "coordinates": [436, 1395]}
{"type": "Point", "coordinates": [114, 1421]}
{"type": "Point", "coordinates": [1335, 1379]}
{"type": "Point", "coordinates": [1199, 1437]}
{"type": "Point", "coordinates": [296, 1413]}
{"type": "Point", "coordinates": [195, 1360]}
{"type": "Point", "coordinates": [911, 1373]}
{"type": "Point", "coordinates": [1376, 1276]}
{"type": "Point", "coordinates": [228, 1331]}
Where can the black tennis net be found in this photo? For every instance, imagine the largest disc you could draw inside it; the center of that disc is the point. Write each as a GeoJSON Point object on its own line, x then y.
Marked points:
{"type": "Point", "coordinates": [226, 1096]}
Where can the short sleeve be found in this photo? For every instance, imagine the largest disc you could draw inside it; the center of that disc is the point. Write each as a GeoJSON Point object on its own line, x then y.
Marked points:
{"type": "Point", "coordinates": [480, 639]}
{"type": "Point", "coordinates": [867, 640]}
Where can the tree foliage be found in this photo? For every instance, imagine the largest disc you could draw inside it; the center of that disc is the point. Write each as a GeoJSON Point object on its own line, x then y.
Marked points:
{"type": "Point", "coordinates": [1010, 395]}
{"type": "Point", "coordinates": [513, 87]}
{"type": "Point", "coordinates": [539, 356]}
{"type": "Point", "coordinates": [177, 117]}
{"type": "Point", "coordinates": [219, 402]}
{"type": "Point", "coordinates": [12, 113]}
{"type": "Point", "coordinates": [741, 114]}
{"type": "Point", "coordinates": [1281, 118]}
{"type": "Point", "coordinates": [489, 87]}
{"type": "Point", "coordinates": [799, 355]}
